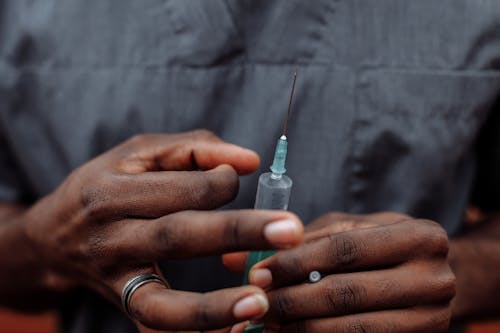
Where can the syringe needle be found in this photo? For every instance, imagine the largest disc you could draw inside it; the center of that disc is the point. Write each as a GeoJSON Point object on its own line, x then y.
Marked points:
{"type": "Point", "coordinates": [285, 127]}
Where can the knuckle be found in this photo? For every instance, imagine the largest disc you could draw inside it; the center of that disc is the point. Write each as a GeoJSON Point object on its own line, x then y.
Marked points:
{"type": "Point", "coordinates": [229, 193]}
{"type": "Point", "coordinates": [95, 252]}
{"type": "Point", "coordinates": [282, 305]}
{"type": "Point", "coordinates": [225, 185]}
{"type": "Point", "coordinates": [204, 315]}
{"type": "Point", "coordinates": [434, 237]}
{"type": "Point", "coordinates": [284, 266]}
{"type": "Point", "coordinates": [166, 239]}
{"type": "Point", "coordinates": [359, 326]}
{"type": "Point", "coordinates": [103, 258]}
{"type": "Point", "coordinates": [369, 326]}
{"type": "Point", "coordinates": [130, 149]}
{"type": "Point", "coordinates": [214, 190]}
{"type": "Point", "coordinates": [446, 285]}
{"type": "Point", "coordinates": [427, 237]}
{"type": "Point", "coordinates": [94, 203]}
{"type": "Point", "coordinates": [195, 193]}
{"type": "Point", "coordinates": [233, 181]}
{"type": "Point", "coordinates": [345, 297]}
{"type": "Point", "coordinates": [97, 247]}
{"type": "Point", "coordinates": [440, 243]}
{"type": "Point", "coordinates": [199, 192]}
{"type": "Point", "coordinates": [232, 232]}
{"type": "Point", "coordinates": [96, 197]}
{"type": "Point", "coordinates": [345, 250]}
{"type": "Point", "coordinates": [390, 285]}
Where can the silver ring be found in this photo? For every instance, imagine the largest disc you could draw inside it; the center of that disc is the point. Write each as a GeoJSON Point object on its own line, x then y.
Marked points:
{"type": "Point", "coordinates": [135, 283]}
{"type": "Point", "coordinates": [314, 277]}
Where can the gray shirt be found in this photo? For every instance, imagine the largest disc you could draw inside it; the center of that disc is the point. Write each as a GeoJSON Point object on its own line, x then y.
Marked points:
{"type": "Point", "coordinates": [390, 110]}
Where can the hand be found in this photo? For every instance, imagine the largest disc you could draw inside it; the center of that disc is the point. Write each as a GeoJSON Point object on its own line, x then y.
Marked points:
{"type": "Point", "coordinates": [381, 273]}
{"type": "Point", "coordinates": [145, 201]}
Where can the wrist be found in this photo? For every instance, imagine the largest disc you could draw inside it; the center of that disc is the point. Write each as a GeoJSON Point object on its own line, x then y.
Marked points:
{"type": "Point", "coordinates": [27, 259]}
{"type": "Point", "coordinates": [38, 256]}
{"type": "Point", "coordinates": [26, 281]}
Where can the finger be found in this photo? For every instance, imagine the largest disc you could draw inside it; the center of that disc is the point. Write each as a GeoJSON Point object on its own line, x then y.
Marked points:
{"type": "Point", "coordinates": [154, 194]}
{"type": "Point", "coordinates": [236, 261]}
{"type": "Point", "coordinates": [434, 319]}
{"type": "Point", "coordinates": [199, 149]}
{"type": "Point", "coordinates": [341, 222]}
{"type": "Point", "coordinates": [190, 234]}
{"type": "Point", "coordinates": [159, 308]}
{"type": "Point", "coordinates": [421, 320]}
{"type": "Point", "coordinates": [342, 294]}
{"type": "Point", "coordinates": [362, 249]}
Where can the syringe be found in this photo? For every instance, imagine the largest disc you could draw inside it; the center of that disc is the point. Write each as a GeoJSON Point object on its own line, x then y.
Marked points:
{"type": "Point", "coordinates": [273, 192]}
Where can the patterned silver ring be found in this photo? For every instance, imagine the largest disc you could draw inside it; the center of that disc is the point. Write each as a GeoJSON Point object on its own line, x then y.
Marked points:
{"type": "Point", "coordinates": [135, 283]}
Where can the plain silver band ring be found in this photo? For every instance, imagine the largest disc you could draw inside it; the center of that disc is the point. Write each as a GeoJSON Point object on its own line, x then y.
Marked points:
{"type": "Point", "coordinates": [135, 283]}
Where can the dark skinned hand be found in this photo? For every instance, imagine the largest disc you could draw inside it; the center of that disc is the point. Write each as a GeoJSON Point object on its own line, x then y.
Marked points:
{"type": "Point", "coordinates": [384, 272]}
{"type": "Point", "coordinates": [146, 200]}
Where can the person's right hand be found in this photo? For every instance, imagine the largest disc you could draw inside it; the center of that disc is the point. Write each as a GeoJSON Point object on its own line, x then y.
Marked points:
{"type": "Point", "coordinates": [147, 200]}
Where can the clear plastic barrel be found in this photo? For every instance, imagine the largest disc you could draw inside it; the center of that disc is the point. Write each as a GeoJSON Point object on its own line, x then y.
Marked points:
{"type": "Point", "coordinates": [273, 191]}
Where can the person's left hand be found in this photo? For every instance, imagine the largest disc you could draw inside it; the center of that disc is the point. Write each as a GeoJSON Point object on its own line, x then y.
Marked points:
{"type": "Point", "coordinates": [383, 272]}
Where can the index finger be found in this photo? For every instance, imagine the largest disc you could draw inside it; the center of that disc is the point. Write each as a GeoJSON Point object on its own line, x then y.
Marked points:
{"type": "Point", "coordinates": [191, 234]}
{"type": "Point", "coordinates": [198, 149]}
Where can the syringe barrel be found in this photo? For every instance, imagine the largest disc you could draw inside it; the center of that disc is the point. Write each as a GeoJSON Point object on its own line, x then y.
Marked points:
{"type": "Point", "coordinates": [272, 193]}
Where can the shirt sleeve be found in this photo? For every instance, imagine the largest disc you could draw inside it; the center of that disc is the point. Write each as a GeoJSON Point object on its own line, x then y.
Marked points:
{"type": "Point", "coordinates": [486, 194]}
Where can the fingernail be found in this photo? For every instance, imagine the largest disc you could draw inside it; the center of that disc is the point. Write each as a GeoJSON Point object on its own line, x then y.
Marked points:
{"type": "Point", "coordinates": [261, 277]}
{"type": "Point", "coordinates": [282, 233]}
{"type": "Point", "coordinates": [251, 307]}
